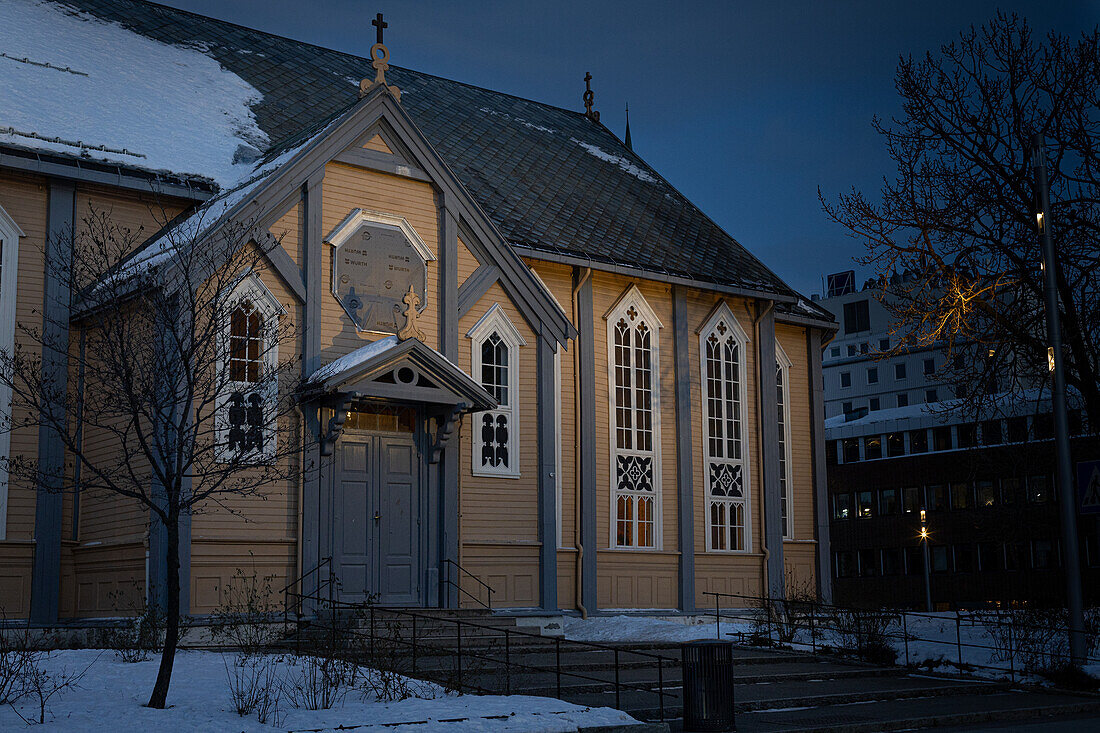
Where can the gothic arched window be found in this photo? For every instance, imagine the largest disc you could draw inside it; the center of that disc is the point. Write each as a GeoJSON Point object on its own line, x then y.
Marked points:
{"type": "Point", "coordinates": [246, 427]}
{"type": "Point", "coordinates": [783, 406]}
{"type": "Point", "coordinates": [722, 346]}
{"type": "Point", "coordinates": [495, 364]}
{"type": "Point", "coordinates": [633, 381]}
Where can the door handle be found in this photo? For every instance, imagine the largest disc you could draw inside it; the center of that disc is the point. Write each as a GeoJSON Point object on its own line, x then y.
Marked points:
{"type": "Point", "coordinates": [377, 516]}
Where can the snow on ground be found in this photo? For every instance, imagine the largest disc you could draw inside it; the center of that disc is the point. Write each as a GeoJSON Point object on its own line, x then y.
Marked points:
{"type": "Point", "coordinates": [934, 639]}
{"type": "Point", "coordinates": [71, 76]}
{"type": "Point", "coordinates": [647, 628]}
{"type": "Point", "coordinates": [111, 696]}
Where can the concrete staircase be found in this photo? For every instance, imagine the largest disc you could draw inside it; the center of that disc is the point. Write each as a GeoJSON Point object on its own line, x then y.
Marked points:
{"type": "Point", "coordinates": [775, 691]}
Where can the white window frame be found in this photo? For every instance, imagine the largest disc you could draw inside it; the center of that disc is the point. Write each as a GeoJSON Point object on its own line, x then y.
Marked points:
{"type": "Point", "coordinates": [496, 321]}
{"type": "Point", "coordinates": [633, 298]}
{"type": "Point", "coordinates": [786, 485]}
{"type": "Point", "coordinates": [723, 314]}
{"type": "Point", "coordinates": [9, 275]}
{"type": "Point", "coordinates": [249, 287]}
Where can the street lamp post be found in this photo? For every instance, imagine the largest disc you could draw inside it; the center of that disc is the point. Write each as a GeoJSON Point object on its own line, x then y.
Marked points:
{"type": "Point", "coordinates": [1068, 500]}
{"type": "Point", "coordinates": [927, 562]}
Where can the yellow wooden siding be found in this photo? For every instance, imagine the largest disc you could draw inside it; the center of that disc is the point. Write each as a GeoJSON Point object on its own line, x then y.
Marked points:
{"type": "Point", "coordinates": [25, 200]}
{"type": "Point", "coordinates": [289, 233]}
{"type": "Point", "coordinates": [467, 263]}
{"type": "Point", "coordinates": [346, 188]}
{"type": "Point", "coordinates": [793, 341]}
{"type": "Point", "coordinates": [377, 143]}
{"type": "Point", "coordinates": [800, 568]}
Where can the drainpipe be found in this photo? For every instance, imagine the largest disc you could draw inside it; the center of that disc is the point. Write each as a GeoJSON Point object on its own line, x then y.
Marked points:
{"type": "Point", "coordinates": [756, 318]}
{"type": "Point", "coordinates": [577, 535]}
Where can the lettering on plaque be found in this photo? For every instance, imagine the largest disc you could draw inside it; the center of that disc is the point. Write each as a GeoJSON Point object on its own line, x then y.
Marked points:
{"type": "Point", "coordinates": [373, 269]}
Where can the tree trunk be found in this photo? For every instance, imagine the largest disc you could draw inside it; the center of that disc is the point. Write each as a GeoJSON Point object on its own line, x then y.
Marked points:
{"type": "Point", "coordinates": [172, 614]}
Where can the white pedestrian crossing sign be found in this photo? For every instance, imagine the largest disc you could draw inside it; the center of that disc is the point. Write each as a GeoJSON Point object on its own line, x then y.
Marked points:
{"type": "Point", "coordinates": [1088, 486]}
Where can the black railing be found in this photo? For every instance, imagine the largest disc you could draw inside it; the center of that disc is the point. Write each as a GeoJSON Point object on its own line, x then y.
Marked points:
{"type": "Point", "coordinates": [501, 661]}
{"type": "Point", "coordinates": [1017, 646]}
{"type": "Point", "coordinates": [457, 584]}
{"type": "Point", "coordinates": [299, 595]}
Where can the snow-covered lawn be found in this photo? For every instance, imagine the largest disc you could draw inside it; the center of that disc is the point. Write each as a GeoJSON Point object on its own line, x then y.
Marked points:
{"type": "Point", "coordinates": [111, 697]}
{"type": "Point", "coordinates": [935, 640]}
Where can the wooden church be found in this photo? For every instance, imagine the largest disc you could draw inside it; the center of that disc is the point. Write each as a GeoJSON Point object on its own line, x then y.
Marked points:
{"type": "Point", "coordinates": [528, 370]}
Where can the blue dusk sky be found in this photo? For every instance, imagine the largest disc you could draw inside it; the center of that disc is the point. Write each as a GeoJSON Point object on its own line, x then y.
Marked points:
{"type": "Point", "coordinates": [746, 106]}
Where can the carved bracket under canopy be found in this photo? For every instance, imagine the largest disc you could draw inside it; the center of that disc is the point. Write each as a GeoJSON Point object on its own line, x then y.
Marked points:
{"type": "Point", "coordinates": [340, 406]}
{"type": "Point", "coordinates": [446, 428]}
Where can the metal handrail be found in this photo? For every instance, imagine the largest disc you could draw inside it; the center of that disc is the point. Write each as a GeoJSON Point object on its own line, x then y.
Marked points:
{"type": "Point", "coordinates": [299, 596]}
{"type": "Point", "coordinates": [820, 613]}
{"type": "Point", "coordinates": [458, 586]}
{"type": "Point", "coordinates": [508, 663]}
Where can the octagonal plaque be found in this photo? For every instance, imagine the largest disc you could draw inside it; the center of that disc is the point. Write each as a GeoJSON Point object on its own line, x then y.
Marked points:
{"type": "Point", "coordinates": [376, 258]}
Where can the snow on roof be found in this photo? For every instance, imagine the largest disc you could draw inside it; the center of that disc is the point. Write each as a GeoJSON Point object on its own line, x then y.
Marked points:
{"type": "Point", "coordinates": [627, 165]}
{"type": "Point", "coordinates": [350, 361]}
{"type": "Point", "coordinates": [77, 85]}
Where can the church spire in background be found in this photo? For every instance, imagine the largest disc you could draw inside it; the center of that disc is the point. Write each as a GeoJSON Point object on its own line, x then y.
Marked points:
{"type": "Point", "coordinates": [627, 141]}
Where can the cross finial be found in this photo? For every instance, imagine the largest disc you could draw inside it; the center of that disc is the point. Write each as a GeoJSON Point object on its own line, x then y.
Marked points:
{"type": "Point", "coordinates": [380, 60]}
{"type": "Point", "coordinates": [588, 97]}
{"type": "Point", "coordinates": [380, 24]}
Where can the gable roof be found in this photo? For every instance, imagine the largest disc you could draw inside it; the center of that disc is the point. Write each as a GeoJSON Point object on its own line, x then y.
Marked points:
{"type": "Point", "coordinates": [551, 180]}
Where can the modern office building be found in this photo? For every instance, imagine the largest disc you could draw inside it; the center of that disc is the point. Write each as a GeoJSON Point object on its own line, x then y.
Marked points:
{"type": "Point", "coordinates": [857, 378]}
{"type": "Point", "coordinates": [989, 491]}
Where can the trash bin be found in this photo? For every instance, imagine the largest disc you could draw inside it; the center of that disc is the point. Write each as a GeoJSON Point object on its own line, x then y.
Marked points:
{"type": "Point", "coordinates": [708, 685]}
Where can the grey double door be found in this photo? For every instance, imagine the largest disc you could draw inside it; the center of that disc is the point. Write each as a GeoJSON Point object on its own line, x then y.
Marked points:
{"type": "Point", "coordinates": [376, 519]}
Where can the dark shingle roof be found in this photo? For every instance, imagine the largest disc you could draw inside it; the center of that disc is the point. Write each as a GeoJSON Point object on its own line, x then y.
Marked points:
{"type": "Point", "coordinates": [551, 179]}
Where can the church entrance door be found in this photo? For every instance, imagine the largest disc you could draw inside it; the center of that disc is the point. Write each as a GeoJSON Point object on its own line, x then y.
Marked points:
{"type": "Point", "coordinates": [377, 524]}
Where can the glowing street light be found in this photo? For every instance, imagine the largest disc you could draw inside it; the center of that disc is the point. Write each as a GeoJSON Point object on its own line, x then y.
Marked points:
{"type": "Point", "coordinates": [924, 536]}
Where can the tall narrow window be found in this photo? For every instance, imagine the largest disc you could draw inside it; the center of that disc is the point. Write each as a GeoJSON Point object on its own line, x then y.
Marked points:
{"type": "Point", "coordinates": [495, 364]}
{"type": "Point", "coordinates": [722, 347]}
{"type": "Point", "coordinates": [633, 358]}
{"type": "Point", "coordinates": [783, 408]}
{"type": "Point", "coordinates": [9, 266]}
{"type": "Point", "coordinates": [246, 429]}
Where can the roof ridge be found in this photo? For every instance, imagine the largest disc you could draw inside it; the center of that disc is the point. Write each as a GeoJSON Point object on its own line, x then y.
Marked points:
{"type": "Point", "coordinates": [365, 59]}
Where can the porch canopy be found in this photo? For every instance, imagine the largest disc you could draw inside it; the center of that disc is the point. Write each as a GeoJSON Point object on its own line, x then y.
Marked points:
{"type": "Point", "coordinates": [405, 371]}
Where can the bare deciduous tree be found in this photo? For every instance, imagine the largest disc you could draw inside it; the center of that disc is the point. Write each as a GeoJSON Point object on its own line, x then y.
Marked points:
{"type": "Point", "coordinates": [187, 371]}
{"type": "Point", "coordinates": [960, 210]}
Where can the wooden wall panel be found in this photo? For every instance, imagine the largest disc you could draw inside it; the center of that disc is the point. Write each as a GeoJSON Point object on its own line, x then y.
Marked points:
{"type": "Point", "coordinates": [109, 580]}
{"type": "Point", "coordinates": [637, 579]}
{"type": "Point", "coordinates": [793, 341]}
{"type": "Point", "coordinates": [511, 570]}
{"type": "Point", "coordinates": [288, 230]}
{"type": "Point", "coordinates": [219, 565]}
{"type": "Point", "coordinates": [467, 262]}
{"type": "Point", "coordinates": [25, 200]}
